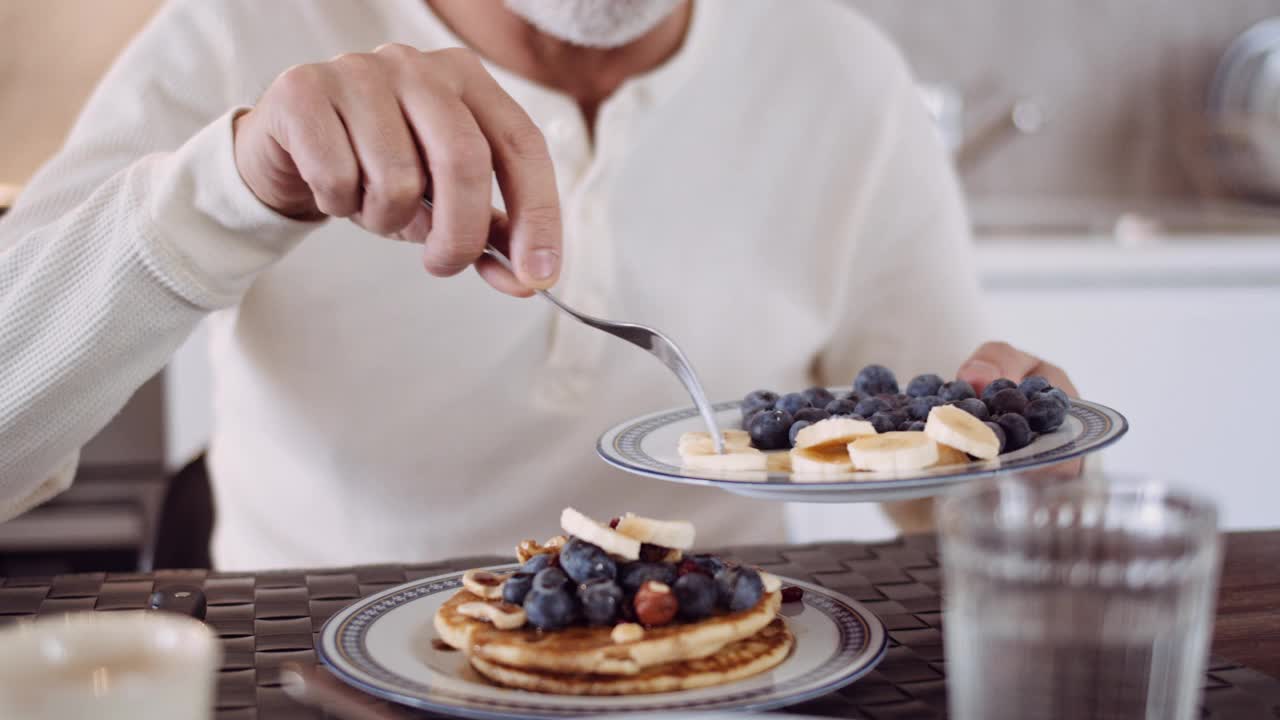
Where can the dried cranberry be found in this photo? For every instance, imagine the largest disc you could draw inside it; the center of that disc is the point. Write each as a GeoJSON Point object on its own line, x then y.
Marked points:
{"type": "Point", "coordinates": [652, 553]}
{"type": "Point", "coordinates": [689, 566]}
{"type": "Point", "coordinates": [792, 593]}
{"type": "Point", "coordinates": [613, 524]}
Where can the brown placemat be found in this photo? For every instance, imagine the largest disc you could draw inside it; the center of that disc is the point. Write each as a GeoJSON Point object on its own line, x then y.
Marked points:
{"type": "Point", "coordinates": [268, 619]}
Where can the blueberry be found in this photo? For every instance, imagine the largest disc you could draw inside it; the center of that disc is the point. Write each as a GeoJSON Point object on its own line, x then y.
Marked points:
{"type": "Point", "coordinates": [746, 591]}
{"type": "Point", "coordinates": [899, 417]}
{"type": "Point", "coordinates": [600, 600]}
{"type": "Point", "coordinates": [974, 407]}
{"type": "Point", "coordinates": [852, 396]}
{"type": "Point", "coordinates": [696, 595]}
{"type": "Point", "coordinates": [841, 407]}
{"type": "Point", "coordinates": [726, 579]}
{"type": "Point", "coordinates": [710, 564]}
{"type": "Point", "coordinates": [792, 403]}
{"type": "Point", "coordinates": [996, 386]}
{"type": "Point", "coordinates": [1033, 385]}
{"type": "Point", "coordinates": [919, 407]}
{"type": "Point", "coordinates": [870, 406]}
{"type": "Point", "coordinates": [550, 609]}
{"type": "Point", "coordinates": [922, 385]}
{"type": "Point", "coordinates": [1045, 414]}
{"type": "Point", "coordinates": [1017, 432]}
{"type": "Point", "coordinates": [1008, 400]}
{"type": "Point", "coordinates": [900, 400]}
{"type": "Point", "coordinates": [536, 563]}
{"type": "Point", "coordinates": [769, 428]}
{"type": "Point", "coordinates": [883, 422]}
{"type": "Point", "coordinates": [999, 431]}
{"type": "Point", "coordinates": [1059, 396]}
{"type": "Point", "coordinates": [905, 425]}
{"type": "Point", "coordinates": [796, 427]}
{"type": "Point", "coordinates": [818, 396]}
{"type": "Point", "coordinates": [892, 400]}
{"type": "Point", "coordinates": [516, 587]}
{"type": "Point", "coordinates": [915, 426]}
{"type": "Point", "coordinates": [811, 415]}
{"type": "Point", "coordinates": [758, 400]}
{"type": "Point", "coordinates": [550, 579]}
{"type": "Point", "coordinates": [956, 390]}
{"type": "Point", "coordinates": [584, 562]}
{"type": "Point", "coordinates": [875, 379]}
{"type": "Point", "coordinates": [632, 575]}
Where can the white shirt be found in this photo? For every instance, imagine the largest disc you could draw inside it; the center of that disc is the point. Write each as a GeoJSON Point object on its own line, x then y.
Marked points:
{"type": "Point", "coordinates": [774, 197]}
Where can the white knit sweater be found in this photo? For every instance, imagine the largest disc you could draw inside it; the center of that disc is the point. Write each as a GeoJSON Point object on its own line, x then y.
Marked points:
{"type": "Point", "coordinates": [773, 197]}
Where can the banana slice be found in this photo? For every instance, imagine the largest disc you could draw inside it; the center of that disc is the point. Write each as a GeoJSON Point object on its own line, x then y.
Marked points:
{"type": "Point", "coordinates": [826, 460]}
{"type": "Point", "coordinates": [602, 536]}
{"type": "Point", "coordinates": [699, 443]}
{"type": "Point", "coordinates": [894, 451]}
{"type": "Point", "coordinates": [953, 427]}
{"type": "Point", "coordinates": [483, 584]}
{"type": "Point", "coordinates": [503, 616]}
{"type": "Point", "coordinates": [948, 455]}
{"type": "Point", "coordinates": [734, 458]}
{"type": "Point", "coordinates": [836, 431]}
{"type": "Point", "coordinates": [667, 533]}
{"type": "Point", "coordinates": [772, 583]}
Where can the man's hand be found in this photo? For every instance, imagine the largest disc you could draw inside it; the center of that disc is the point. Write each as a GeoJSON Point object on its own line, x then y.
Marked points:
{"type": "Point", "coordinates": [994, 360]}
{"type": "Point", "coordinates": [356, 137]}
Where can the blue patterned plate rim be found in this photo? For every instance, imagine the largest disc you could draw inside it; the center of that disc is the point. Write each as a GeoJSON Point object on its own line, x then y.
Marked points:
{"type": "Point", "coordinates": [621, 446]}
{"type": "Point", "coordinates": [343, 648]}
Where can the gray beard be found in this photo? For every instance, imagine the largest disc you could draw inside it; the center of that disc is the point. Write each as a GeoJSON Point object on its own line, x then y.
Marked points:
{"type": "Point", "coordinates": [593, 23]}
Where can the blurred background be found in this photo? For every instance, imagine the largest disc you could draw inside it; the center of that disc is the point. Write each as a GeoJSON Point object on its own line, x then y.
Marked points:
{"type": "Point", "coordinates": [1122, 162]}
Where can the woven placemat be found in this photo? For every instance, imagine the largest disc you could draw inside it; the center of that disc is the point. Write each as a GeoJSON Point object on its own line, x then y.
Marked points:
{"type": "Point", "coordinates": [269, 619]}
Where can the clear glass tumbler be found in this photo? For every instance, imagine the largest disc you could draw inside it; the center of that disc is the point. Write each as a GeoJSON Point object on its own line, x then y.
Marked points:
{"type": "Point", "coordinates": [1088, 599]}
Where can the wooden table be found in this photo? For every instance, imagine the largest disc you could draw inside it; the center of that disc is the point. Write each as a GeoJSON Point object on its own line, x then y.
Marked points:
{"type": "Point", "coordinates": [1247, 628]}
{"type": "Point", "coordinates": [265, 620]}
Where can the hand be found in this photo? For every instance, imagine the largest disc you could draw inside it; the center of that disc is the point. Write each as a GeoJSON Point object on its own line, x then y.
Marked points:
{"type": "Point", "coordinates": [355, 137]}
{"type": "Point", "coordinates": [994, 360]}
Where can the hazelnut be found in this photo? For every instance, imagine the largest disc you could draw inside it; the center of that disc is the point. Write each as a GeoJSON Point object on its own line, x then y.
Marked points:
{"type": "Point", "coordinates": [655, 604]}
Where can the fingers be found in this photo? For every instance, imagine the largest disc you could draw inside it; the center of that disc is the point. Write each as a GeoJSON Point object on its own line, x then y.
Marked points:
{"type": "Point", "coordinates": [315, 139]}
{"type": "Point", "coordinates": [524, 171]}
{"type": "Point", "coordinates": [492, 271]}
{"type": "Point", "coordinates": [995, 360]}
{"type": "Point", "coordinates": [392, 176]}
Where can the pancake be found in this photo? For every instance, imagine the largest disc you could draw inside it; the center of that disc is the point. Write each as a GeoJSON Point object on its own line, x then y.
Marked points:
{"type": "Point", "coordinates": [577, 650]}
{"type": "Point", "coordinates": [737, 660]}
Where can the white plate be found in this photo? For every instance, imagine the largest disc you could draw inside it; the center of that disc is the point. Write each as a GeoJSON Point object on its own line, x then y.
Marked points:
{"type": "Point", "coordinates": [647, 446]}
{"type": "Point", "coordinates": [383, 645]}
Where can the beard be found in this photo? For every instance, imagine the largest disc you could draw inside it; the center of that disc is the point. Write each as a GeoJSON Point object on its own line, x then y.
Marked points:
{"type": "Point", "coordinates": [593, 23]}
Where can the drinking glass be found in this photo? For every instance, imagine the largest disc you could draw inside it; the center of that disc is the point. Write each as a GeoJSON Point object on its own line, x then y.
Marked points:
{"type": "Point", "coordinates": [1087, 599]}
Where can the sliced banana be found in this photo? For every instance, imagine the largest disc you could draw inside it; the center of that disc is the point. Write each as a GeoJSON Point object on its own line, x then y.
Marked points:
{"type": "Point", "coordinates": [948, 455]}
{"type": "Point", "coordinates": [953, 427]}
{"type": "Point", "coordinates": [667, 533]}
{"type": "Point", "coordinates": [699, 443]}
{"type": "Point", "coordinates": [626, 633]}
{"type": "Point", "coordinates": [503, 616]}
{"type": "Point", "coordinates": [733, 460]}
{"type": "Point", "coordinates": [821, 461]}
{"type": "Point", "coordinates": [836, 431]}
{"type": "Point", "coordinates": [602, 536]}
{"type": "Point", "coordinates": [772, 583]}
{"type": "Point", "coordinates": [483, 584]}
{"type": "Point", "coordinates": [894, 452]}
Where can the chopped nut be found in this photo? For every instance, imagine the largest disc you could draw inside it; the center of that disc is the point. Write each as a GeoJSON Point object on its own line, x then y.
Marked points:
{"type": "Point", "coordinates": [626, 632]}
{"type": "Point", "coordinates": [483, 584]}
{"type": "Point", "coordinates": [674, 555]}
{"type": "Point", "coordinates": [655, 604]}
{"type": "Point", "coordinates": [771, 582]}
{"type": "Point", "coordinates": [503, 616]}
{"type": "Point", "coordinates": [528, 548]}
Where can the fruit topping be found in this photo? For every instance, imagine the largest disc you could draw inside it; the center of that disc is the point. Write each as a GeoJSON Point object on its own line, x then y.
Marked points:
{"type": "Point", "coordinates": [836, 431]}
{"type": "Point", "coordinates": [695, 595]}
{"type": "Point", "coordinates": [517, 587]}
{"type": "Point", "coordinates": [742, 590]}
{"type": "Point", "coordinates": [883, 422]}
{"type": "Point", "coordinates": [893, 452]}
{"type": "Point", "coordinates": [956, 390]}
{"type": "Point", "coordinates": [537, 563]}
{"type": "Point", "coordinates": [549, 579]}
{"type": "Point", "coordinates": [632, 575]}
{"type": "Point", "coordinates": [1017, 431]}
{"type": "Point", "coordinates": [677, 534]}
{"type": "Point", "coordinates": [600, 600]}
{"type": "Point", "coordinates": [1045, 413]}
{"type": "Point", "coordinates": [770, 429]}
{"type": "Point", "coordinates": [918, 408]}
{"type": "Point", "coordinates": [974, 407]}
{"type": "Point", "coordinates": [584, 562]}
{"type": "Point", "coordinates": [924, 385]}
{"type": "Point", "coordinates": [870, 406]}
{"type": "Point", "coordinates": [792, 403]}
{"type": "Point", "coordinates": [792, 593]}
{"type": "Point", "coordinates": [875, 379]}
{"type": "Point", "coordinates": [627, 632]}
{"type": "Point", "coordinates": [796, 427]}
{"type": "Point", "coordinates": [951, 426]}
{"type": "Point", "coordinates": [655, 604]}
{"type": "Point", "coordinates": [503, 616]}
{"type": "Point", "coordinates": [550, 609]}
{"type": "Point", "coordinates": [996, 386]}
{"type": "Point", "coordinates": [758, 400]}
{"type": "Point", "coordinates": [1032, 385]}
{"type": "Point", "coordinates": [611, 541]}
{"type": "Point", "coordinates": [818, 397]}
{"type": "Point", "coordinates": [841, 407]}
{"type": "Point", "coordinates": [999, 431]}
{"type": "Point", "coordinates": [1008, 400]}
{"type": "Point", "coordinates": [483, 584]}
{"type": "Point", "coordinates": [810, 415]}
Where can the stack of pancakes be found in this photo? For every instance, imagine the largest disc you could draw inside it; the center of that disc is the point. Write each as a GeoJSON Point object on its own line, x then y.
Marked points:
{"type": "Point", "coordinates": [587, 661]}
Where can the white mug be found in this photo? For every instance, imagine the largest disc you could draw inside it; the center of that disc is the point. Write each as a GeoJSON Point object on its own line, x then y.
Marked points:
{"type": "Point", "coordinates": [109, 665]}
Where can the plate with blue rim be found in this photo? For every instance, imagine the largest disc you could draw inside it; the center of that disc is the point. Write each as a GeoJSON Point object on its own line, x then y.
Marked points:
{"type": "Point", "coordinates": [385, 645]}
{"type": "Point", "coordinates": [647, 445]}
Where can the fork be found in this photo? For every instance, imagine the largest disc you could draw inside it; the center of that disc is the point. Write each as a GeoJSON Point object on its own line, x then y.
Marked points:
{"type": "Point", "coordinates": [647, 338]}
